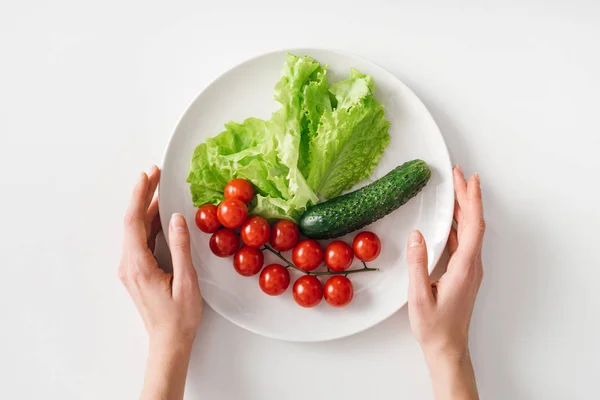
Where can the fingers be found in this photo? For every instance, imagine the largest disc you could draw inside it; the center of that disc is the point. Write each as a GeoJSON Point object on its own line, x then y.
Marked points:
{"type": "Point", "coordinates": [153, 225]}
{"type": "Point", "coordinates": [419, 287]}
{"type": "Point", "coordinates": [151, 215]}
{"type": "Point", "coordinates": [153, 179]}
{"type": "Point", "coordinates": [474, 197]}
{"type": "Point", "coordinates": [135, 217]}
{"type": "Point", "coordinates": [460, 187]}
{"type": "Point", "coordinates": [472, 235]}
{"type": "Point", "coordinates": [452, 241]}
{"type": "Point", "coordinates": [184, 274]}
{"type": "Point", "coordinates": [458, 214]}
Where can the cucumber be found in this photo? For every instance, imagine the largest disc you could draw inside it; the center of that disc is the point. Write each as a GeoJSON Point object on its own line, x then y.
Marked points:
{"type": "Point", "coordinates": [352, 211]}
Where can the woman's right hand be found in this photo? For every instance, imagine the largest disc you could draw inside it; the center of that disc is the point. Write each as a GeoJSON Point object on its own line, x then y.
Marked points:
{"type": "Point", "coordinates": [440, 312]}
{"type": "Point", "coordinates": [170, 304]}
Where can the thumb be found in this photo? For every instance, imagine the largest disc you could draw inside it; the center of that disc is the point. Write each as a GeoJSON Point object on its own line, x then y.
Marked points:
{"type": "Point", "coordinates": [184, 274]}
{"type": "Point", "coordinates": [419, 286]}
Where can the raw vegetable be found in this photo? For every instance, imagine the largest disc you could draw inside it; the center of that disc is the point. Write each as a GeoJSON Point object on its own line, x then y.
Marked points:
{"type": "Point", "coordinates": [224, 243]}
{"type": "Point", "coordinates": [308, 291]}
{"type": "Point", "coordinates": [338, 256]}
{"type": "Point", "coordinates": [357, 209]}
{"type": "Point", "coordinates": [232, 213]}
{"type": "Point", "coordinates": [207, 220]}
{"type": "Point", "coordinates": [239, 189]}
{"type": "Point", "coordinates": [366, 246]}
{"type": "Point", "coordinates": [248, 261]}
{"type": "Point", "coordinates": [307, 255]}
{"type": "Point", "coordinates": [350, 139]}
{"type": "Point", "coordinates": [274, 279]}
{"type": "Point", "coordinates": [338, 291]}
{"type": "Point", "coordinates": [284, 235]}
{"type": "Point", "coordinates": [310, 147]}
{"type": "Point", "coordinates": [255, 232]}
{"type": "Point", "coordinates": [266, 153]}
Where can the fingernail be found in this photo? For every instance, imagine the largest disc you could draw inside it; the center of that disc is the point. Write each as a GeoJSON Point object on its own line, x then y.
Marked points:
{"type": "Point", "coordinates": [142, 178]}
{"type": "Point", "coordinates": [459, 168]}
{"type": "Point", "coordinates": [415, 238]}
{"type": "Point", "coordinates": [177, 222]}
{"type": "Point", "coordinates": [476, 175]}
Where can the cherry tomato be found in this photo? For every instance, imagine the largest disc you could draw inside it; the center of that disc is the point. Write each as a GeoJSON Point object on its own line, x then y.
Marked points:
{"type": "Point", "coordinates": [284, 235]}
{"type": "Point", "coordinates": [367, 246]}
{"type": "Point", "coordinates": [224, 243]}
{"type": "Point", "coordinates": [338, 256]}
{"type": "Point", "coordinates": [307, 255]}
{"type": "Point", "coordinates": [248, 261]}
{"type": "Point", "coordinates": [308, 291]}
{"type": "Point", "coordinates": [338, 291]}
{"type": "Point", "coordinates": [232, 213]}
{"type": "Point", "coordinates": [255, 232]}
{"type": "Point", "coordinates": [274, 279]}
{"type": "Point", "coordinates": [239, 189]}
{"type": "Point", "coordinates": [206, 218]}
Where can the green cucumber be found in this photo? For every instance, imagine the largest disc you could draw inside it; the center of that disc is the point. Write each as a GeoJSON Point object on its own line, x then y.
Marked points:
{"type": "Point", "coordinates": [352, 211]}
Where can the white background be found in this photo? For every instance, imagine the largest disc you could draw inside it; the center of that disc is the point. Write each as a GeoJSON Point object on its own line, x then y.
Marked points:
{"type": "Point", "coordinates": [90, 93]}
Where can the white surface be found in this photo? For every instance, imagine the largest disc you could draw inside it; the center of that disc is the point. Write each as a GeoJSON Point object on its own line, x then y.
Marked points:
{"type": "Point", "coordinates": [89, 95]}
{"type": "Point", "coordinates": [414, 134]}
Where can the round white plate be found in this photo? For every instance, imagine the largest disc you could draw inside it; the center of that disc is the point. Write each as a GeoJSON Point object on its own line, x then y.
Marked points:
{"type": "Point", "coordinates": [247, 91]}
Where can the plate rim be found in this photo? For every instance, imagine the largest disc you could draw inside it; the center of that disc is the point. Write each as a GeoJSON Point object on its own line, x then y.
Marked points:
{"type": "Point", "coordinates": [296, 50]}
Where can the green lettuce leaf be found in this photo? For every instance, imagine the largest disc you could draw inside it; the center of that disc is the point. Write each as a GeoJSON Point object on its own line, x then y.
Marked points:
{"type": "Point", "coordinates": [246, 150]}
{"type": "Point", "coordinates": [274, 208]}
{"type": "Point", "coordinates": [323, 140]}
{"type": "Point", "coordinates": [265, 153]}
{"type": "Point", "coordinates": [350, 139]}
{"type": "Point", "coordinates": [316, 99]}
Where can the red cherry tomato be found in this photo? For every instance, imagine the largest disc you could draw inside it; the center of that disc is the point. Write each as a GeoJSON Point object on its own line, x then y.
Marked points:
{"type": "Point", "coordinates": [307, 255]}
{"type": "Point", "coordinates": [284, 235]}
{"type": "Point", "coordinates": [248, 261]}
{"type": "Point", "coordinates": [338, 291]}
{"type": "Point", "coordinates": [338, 256]}
{"type": "Point", "coordinates": [239, 189]}
{"type": "Point", "coordinates": [224, 243]}
{"type": "Point", "coordinates": [206, 218]}
{"type": "Point", "coordinates": [274, 279]}
{"type": "Point", "coordinates": [308, 291]}
{"type": "Point", "coordinates": [232, 213]}
{"type": "Point", "coordinates": [255, 232]}
{"type": "Point", "coordinates": [366, 246]}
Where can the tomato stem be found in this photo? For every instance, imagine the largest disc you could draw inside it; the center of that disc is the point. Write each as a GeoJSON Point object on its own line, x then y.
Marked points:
{"type": "Point", "coordinates": [321, 273]}
{"type": "Point", "coordinates": [347, 272]}
{"type": "Point", "coordinates": [285, 260]}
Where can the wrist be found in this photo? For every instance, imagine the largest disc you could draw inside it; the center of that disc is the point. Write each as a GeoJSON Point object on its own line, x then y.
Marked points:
{"type": "Point", "coordinates": [454, 351]}
{"type": "Point", "coordinates": [446, 357]}
{"type": "Point", "coordinates": [167, 342]}
{"type": "Point", "coordinates": [167, 365]}
{"type": "Point", "coordinates": [451, 372]}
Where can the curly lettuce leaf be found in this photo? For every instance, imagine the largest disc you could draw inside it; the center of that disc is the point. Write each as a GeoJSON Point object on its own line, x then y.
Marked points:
{"type": "Point", "coordinates": [350, 139]}
{"type": "Point", "coordinates": [274, 208]}
{"type": "Point", "coordinates": [247, 150]}
{"type": "Point", "coordinates": [298, 76]}
{"type": "Point", "coordinates": [323, 139]}
{"type": "Point", "coordinates": [265, 153]}
{"type": "Point", "coordinates": [316, 100]}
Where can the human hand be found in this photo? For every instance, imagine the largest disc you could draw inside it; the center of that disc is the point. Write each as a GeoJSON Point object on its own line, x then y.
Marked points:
{"type": "Point", "coordinates": [170, 304]}
{"type": "Point", "coordinates": [440, 312]}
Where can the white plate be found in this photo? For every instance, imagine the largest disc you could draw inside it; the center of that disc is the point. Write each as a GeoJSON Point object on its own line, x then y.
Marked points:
{"type": "Point", "coordinates": [247, 91]}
